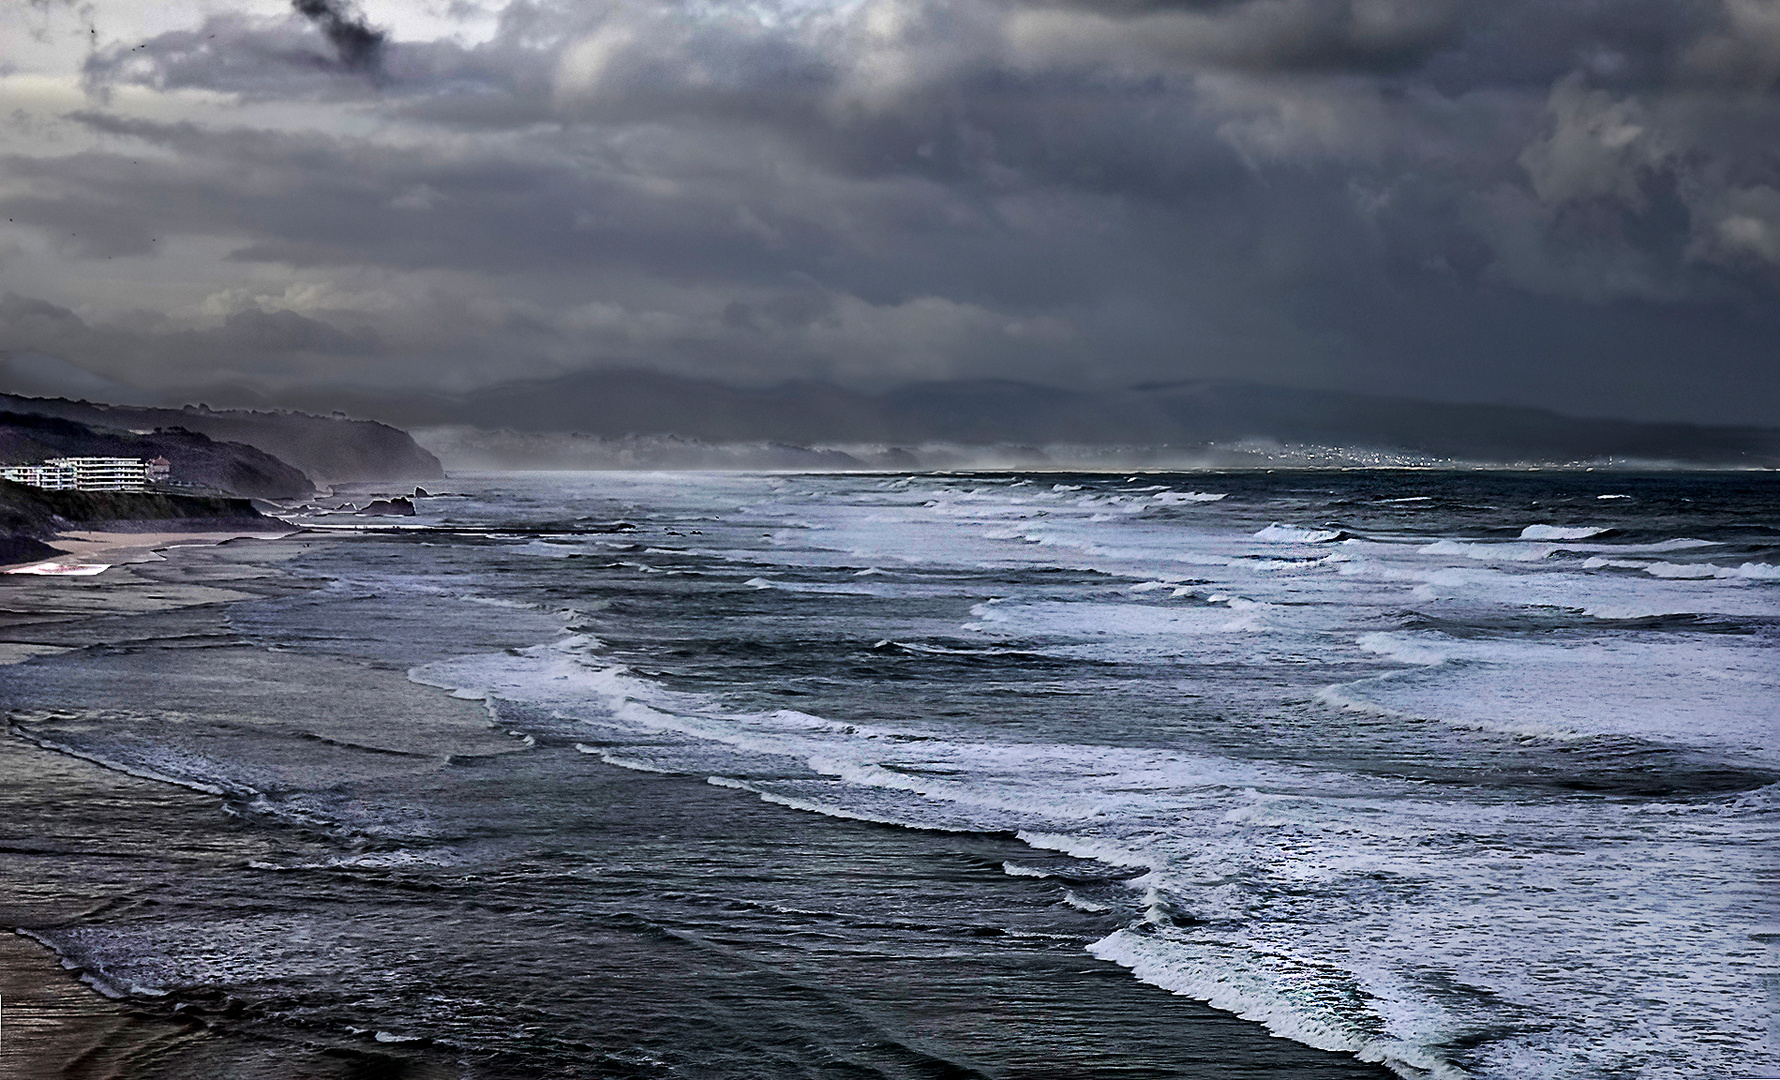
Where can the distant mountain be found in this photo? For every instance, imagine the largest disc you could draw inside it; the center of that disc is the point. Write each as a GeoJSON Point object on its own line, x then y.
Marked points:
{"type": "Point", "coordinates": [327, 449]}
{"type": "Point", "coordinates": [198, 461]}
{"type": "Point", "coordinates": [640, 419]}
{"type": "Point", "coordinates": [621, 404]}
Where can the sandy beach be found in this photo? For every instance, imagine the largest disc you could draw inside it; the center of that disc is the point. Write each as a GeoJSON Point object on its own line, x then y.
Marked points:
{"type": "Point", "coordinates": [55, 1024]}
{"type": "Point", "coordinates": [162, 591]}
{"type": "Point", "coordinates": [123, 548]}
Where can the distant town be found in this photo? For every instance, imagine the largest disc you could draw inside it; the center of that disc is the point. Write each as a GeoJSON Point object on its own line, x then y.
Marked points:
{"type": "Point", "coordinates": [90, 473]}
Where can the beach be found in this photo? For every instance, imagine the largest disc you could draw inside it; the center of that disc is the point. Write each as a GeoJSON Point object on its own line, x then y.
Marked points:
{"type": "Point", "coordinates": [800, 776]}
{"type": "Point", "coordinates": [162, 590]}
{"type": "Point", "coordinates": [89, 839]}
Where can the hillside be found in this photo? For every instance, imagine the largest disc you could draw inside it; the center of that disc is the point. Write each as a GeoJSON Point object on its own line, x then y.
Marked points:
{"type": "Point", "coordinates": [326, 449]}
{"type": "Point", "coordinates": [620, 404]}
{"type": "Point", "coordinates": [198, 461]}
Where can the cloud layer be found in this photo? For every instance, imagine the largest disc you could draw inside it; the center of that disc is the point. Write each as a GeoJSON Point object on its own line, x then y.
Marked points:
{"type": "Point", "coordinates": [1555, 203]}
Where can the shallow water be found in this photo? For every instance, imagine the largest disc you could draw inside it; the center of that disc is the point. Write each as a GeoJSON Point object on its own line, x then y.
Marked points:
{"type": "Point", "coordinates": [1468, 774]}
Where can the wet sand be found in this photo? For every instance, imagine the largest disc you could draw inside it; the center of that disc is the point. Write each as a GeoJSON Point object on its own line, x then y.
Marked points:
{"type": "Point", "coordinates": [54, 1023]}
{"type": "Point", "coordinates": [54, 1026]}
{"type": "Point", "coordinates": [58, 1025]}
{"type": "Point", "coordinates": [123, 548]}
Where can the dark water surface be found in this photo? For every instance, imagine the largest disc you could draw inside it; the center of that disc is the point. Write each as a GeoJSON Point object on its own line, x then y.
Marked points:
{"type": "Point", "coordinates": [1472, 774]}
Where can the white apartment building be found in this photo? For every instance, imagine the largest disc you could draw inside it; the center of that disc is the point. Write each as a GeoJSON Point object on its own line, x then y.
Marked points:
{"type": "Point", "coordinates": [47, 475]}
{"type": "Point", "coordinates": [81, 474]}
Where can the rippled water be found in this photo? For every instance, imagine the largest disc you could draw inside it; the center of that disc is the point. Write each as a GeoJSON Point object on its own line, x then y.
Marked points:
{"type": "Point", "coordinates": [1468, 774]}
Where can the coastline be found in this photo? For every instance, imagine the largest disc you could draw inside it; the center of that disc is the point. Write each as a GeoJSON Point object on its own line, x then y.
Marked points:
{"type": "Point", "coordinates": [123, 547]}
{"type": "Point", "coordinates": [57, 1020]}
{"type": "Point", "coordinates": [185, 598]}
{"type": "Point", "coordinates": [55, 1023]}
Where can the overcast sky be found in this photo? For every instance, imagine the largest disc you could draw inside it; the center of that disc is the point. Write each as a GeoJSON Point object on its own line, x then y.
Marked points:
{"type": "Point", "coordinates": [1569, 203]}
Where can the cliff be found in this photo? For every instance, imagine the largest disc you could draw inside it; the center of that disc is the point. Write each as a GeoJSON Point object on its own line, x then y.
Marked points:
{"type": "Point", "coordinates": [327, 449]}
{"type": "Point", "coordinates": [198, 461]}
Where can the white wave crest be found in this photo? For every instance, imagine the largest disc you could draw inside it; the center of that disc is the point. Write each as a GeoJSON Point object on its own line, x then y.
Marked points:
{"type": "Point", "coordinates": [1176, 498]}
{"type": "Point", "coordinates": [1560, 532]}
{"type": "Point", "coordinates": [1681, 570]}
{"type": "Point", "coordinates": [1409, 650]}
{"type": "Point", "coordinates": [1509, 551]}
{"type": "Point", "coordinates": [1293, 534]}
{"type": "Point", "coordinates": [1279, 991]}
{"type": "Point", "coordinates": [1685, 571]}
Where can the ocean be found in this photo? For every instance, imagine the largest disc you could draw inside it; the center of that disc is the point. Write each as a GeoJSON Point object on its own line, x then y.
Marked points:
{"type": "Point", "coordinates": [1296, 773]}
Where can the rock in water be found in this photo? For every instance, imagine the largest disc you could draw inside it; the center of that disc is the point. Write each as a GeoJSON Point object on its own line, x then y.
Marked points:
{"type": "Point", "coordinates": [396, 507]}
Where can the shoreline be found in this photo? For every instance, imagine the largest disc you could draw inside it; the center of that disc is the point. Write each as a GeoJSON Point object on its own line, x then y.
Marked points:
{"type": "Point", "coordinates": [191, 595]}
{"type": "Point", "coordinates": [57, 1020]}
{"type": "Point", "coordinates": [121, 548]}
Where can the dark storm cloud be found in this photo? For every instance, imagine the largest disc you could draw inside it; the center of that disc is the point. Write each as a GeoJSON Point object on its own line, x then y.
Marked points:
{"type": "Point", "coordinates": [143, 350]}
{"type": "Point", "coordinates": [1378, 36]}
{"type": "Point", "coordinates": [1444, 197]}
{"type": "Point", "coordinates": [306, 199]}
{"type": "Point", "coordinates": [359, 46]}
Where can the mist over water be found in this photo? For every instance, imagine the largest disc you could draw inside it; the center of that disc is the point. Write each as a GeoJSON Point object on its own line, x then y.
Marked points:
{"type": "Point", "coordinates": [1466, 774]}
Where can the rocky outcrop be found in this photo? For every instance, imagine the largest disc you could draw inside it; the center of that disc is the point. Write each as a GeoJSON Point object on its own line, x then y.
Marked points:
{"type": "Point", "coordinates": [396, 507]}
{"type": "Point", "coordinates": [24, 549]}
